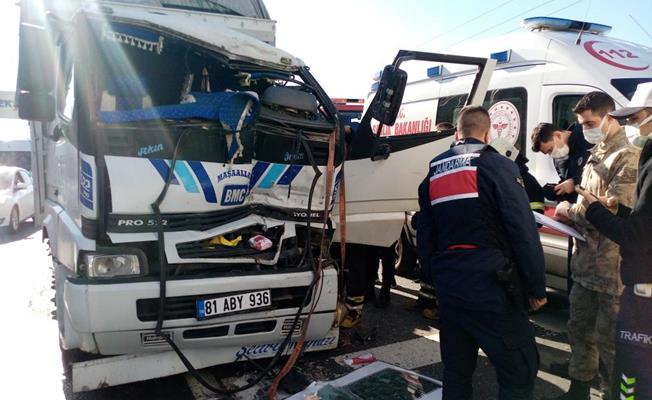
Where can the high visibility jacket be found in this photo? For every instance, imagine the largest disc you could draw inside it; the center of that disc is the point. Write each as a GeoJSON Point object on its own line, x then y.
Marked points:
{"type": "Point", "coordinates": [475, 220]}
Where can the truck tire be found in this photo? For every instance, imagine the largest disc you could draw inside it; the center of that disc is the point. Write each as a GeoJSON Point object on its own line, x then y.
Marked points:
{"type": "Point", "coordinates": [406, 257]}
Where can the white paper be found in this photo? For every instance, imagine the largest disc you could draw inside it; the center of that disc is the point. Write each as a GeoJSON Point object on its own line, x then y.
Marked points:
{"type": "Point", "coordinates": [558, 226]}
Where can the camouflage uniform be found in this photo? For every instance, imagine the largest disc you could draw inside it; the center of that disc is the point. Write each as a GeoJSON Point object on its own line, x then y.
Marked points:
{"type": "Point", "coordinates": [594, 300]}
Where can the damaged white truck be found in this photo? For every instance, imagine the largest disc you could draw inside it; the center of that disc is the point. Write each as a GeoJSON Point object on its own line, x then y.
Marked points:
{"type": "Point", "coordinates": [185, 170]}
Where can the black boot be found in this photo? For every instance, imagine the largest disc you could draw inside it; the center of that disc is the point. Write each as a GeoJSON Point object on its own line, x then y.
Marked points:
{"type": "Point", "coordinates": [370, 294]}
{"type": "Point", "coordinates": [383, 296]}
{"type": "Point", "coordinates": [578, 391]}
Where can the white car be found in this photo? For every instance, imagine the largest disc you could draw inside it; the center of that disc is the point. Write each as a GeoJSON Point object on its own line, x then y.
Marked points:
{"type": "Point", "coordinates": [16, 197]}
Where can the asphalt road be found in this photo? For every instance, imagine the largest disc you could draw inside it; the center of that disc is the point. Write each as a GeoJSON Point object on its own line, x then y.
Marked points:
{"type": "Point", "coordinates": [34, 368]}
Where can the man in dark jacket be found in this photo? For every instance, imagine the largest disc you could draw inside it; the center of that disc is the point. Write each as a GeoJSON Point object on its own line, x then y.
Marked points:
{"type": "Point", "coordinates": [533, 190]}
{"type": "Point", "coordinates": [632, 230]}
{"type": "Point", "coordinates": [476, 231]}
{"type": "Point", "coordinates": [569, 152]}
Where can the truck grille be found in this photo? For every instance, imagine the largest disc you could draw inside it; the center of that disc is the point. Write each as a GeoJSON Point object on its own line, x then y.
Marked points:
{"type": "Point", "coordinates": [203, 249]}
{"type": "Point", "coordinates": [184, 306]}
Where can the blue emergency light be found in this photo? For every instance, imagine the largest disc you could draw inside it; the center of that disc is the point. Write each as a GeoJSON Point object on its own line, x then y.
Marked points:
{"type": "Point", "coordinates": [434, 71]}
{"type": "Point", "coordinates": [502, 56]}
{"type": "Point", "coordinates": [563, 24]}
{"type": "Point", "coordinates": [374, 86]}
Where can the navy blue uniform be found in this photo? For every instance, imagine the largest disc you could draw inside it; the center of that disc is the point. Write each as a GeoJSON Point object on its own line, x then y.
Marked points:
{"type": "Point", "coordinates": [533, 190]}
{"type": "Point", "coordinates": [475, 221]}
{"type": "Point", "coordinates": [572, 166]}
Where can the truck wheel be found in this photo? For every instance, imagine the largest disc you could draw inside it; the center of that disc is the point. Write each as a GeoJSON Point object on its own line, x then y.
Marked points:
{"type": "Point", "coordinates": [406, 257]}
{"type": "Point", "coordinates": [14, 220]}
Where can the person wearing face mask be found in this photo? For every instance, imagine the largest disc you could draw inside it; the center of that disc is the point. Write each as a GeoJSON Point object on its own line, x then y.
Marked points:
{"type": "Point", "coordinates": [632, 230]}
{"type": "Point", "coordinates": [569, 152]}
{"type": "Point", "coordinates": [610, 172]}
{"type": "Point", "coordinates": [639, 115]}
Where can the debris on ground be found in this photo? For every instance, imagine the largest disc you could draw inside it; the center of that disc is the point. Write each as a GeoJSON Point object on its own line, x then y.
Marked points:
{"type": "Point", "coordinates": [376, 381]}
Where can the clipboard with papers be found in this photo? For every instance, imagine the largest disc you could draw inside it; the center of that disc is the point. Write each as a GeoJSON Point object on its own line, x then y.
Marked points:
{"type": "Point", "coordinates": [558, 226]}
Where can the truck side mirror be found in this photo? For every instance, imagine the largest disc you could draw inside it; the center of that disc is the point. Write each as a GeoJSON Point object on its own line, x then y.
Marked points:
{"type": "Point", "coordinates": [36, 106]}
{"type": "Point", "coordinates": [35, 64]}
{"type": "Point", "coordinates": [389, 96]}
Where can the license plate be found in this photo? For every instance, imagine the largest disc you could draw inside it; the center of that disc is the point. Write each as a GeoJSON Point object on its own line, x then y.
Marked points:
{"type": "Point", "coordinates": [213, 307]}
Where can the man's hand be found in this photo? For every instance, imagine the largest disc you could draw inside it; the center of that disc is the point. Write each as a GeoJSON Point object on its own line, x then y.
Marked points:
{"type": "Point", "coordinates": [561, 212]}
{"type": "Point", "coordinates": [608, 202]}
{"type": "Point", "coordinates": [536, 304]}
{"type": "Point", "coordinates": [588, 196]}
{"type": "Point", "coordinates": [566, 187]}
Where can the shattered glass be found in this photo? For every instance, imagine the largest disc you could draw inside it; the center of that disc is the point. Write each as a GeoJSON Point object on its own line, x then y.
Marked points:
{"type": "Point", "coordinates": [387, 384]}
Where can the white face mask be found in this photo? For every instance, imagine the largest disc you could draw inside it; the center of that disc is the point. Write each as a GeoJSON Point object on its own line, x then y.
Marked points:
{"type": "Point", "coordinates": [560, 152]}
{"type": "Point", "coordinates": [634, 131]}
{"type": "Point", "coordinates": [595, 135]}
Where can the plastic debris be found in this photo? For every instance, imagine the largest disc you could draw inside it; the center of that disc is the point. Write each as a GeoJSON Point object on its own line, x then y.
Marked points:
{"type": "Point", "coordinates": [223, 241]}
{"type": "Point", "coordinates": [260, 242]}
{"type": "Point", "coordinates": [361, 359]}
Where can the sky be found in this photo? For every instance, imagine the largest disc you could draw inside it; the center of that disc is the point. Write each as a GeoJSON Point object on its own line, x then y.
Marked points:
{"type": "Point", "coordinates": [346, 41]}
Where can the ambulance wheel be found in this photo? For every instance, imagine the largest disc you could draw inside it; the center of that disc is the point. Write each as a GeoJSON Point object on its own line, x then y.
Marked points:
{"type": "Point", "coordinates": [406, 257]}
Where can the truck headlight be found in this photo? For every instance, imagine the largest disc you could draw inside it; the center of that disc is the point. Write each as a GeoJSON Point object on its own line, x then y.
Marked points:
{"type": "Point", "coordinates": [111, 265]}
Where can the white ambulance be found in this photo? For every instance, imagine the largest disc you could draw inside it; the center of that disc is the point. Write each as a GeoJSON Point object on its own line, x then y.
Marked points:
{"type": "Point", "coordinates": [540, 75]}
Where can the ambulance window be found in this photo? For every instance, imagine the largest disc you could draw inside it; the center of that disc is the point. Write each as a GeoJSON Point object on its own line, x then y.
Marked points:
{"type": "Point", "coordinates": [509, 118]}
{"type": "Point", "coordinates": [627, 86]}
{"type": "Point", "coordinates": [562, 110]}
{"type": "Point", "coordinates": [449, 108]}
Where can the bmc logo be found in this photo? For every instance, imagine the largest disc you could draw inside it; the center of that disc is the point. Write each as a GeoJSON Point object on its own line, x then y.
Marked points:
{"type": "Point", "coordinates": [234, 195]}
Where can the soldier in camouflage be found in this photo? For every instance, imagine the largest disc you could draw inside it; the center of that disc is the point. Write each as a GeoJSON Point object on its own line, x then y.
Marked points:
{"type": "Point", "coordinates": [610, 173]}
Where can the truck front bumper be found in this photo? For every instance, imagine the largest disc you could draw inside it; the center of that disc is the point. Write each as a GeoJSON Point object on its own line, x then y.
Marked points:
{"type": "Point", "coordinates": [109, 318]}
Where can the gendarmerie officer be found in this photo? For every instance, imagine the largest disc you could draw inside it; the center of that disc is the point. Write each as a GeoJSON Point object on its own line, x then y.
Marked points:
{"type": "Point", "coordinates": [479, 236]}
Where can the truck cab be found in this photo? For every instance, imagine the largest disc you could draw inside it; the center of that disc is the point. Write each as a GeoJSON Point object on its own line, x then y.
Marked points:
{"type": "Point", "coordinates": [178, 143]}
{"type": "Point", "coordinates": [185, 171]}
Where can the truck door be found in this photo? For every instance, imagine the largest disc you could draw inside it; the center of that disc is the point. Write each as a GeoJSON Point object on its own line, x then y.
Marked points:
{"type": "Point", "coordinates": [35, 87]}
{"type": "Point", "coordinates": [386, 164]}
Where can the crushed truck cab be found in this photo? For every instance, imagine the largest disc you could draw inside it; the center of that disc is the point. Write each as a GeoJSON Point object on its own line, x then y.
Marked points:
{"type": "Point", "coordinates": [185, 174]}
{"type": "Point", "coordinates": [180, 156]}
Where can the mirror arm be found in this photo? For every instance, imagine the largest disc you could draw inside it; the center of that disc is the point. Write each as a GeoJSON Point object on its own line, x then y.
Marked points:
{"type": "Point", "coordinates": [379, 130]}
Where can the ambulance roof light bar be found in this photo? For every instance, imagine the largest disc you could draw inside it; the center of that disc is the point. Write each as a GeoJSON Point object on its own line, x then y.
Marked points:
{"type": "Point", "coordinates": [563, 24]}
